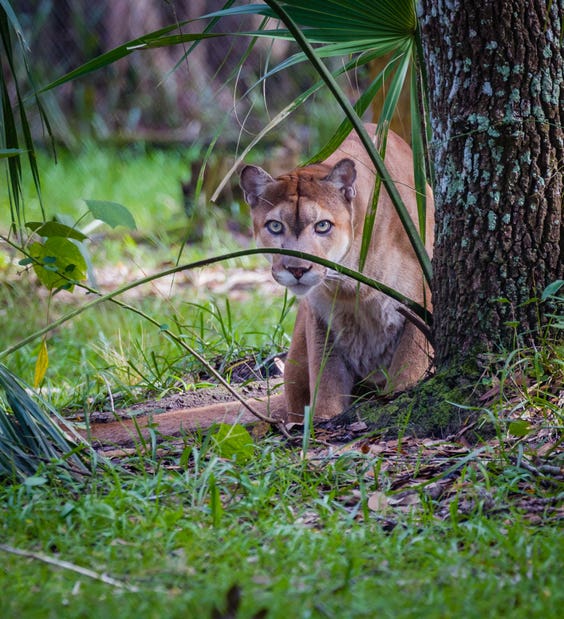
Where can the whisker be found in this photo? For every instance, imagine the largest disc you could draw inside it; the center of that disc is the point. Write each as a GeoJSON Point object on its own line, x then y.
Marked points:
{"type": "Point", "coordinates": [334, 277]}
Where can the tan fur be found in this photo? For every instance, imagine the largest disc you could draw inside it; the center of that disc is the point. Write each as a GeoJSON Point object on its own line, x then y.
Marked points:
{"type": "Point", "coordinates": [344, 333]}
{"type": "Point", "coordinates": [183, 420]}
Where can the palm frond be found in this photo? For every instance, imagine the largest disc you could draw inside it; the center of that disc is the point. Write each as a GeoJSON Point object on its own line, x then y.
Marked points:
{"type": "Point", "coordinates": [338, 21]}
{"type": "Point", "coordinates": [32, 434]}
{"type": "Point", "coordinates": [15, 132]}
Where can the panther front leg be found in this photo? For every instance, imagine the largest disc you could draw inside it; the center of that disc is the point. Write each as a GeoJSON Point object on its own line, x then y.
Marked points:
{"type": "Point", "coordinates": [296, 370]}
{"type": "Point", "coordinates": [330, 380]}
{"type": "Point", "coordinates": [315, 374]}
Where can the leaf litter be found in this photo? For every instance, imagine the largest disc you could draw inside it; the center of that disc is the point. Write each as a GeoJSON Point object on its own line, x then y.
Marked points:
{"type": "Point", "coordinates": [391, 479]}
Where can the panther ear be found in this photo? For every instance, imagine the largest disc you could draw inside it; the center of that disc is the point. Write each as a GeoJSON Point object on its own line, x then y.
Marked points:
{"type": "Point", "coordinates": [253, 181]}
{"type": "Point", "coordinates": [343, 175]}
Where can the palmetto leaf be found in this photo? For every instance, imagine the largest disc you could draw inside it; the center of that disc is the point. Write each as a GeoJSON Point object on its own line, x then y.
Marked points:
{"type": "Point", "coordinates": [158, 38]}
{"type": "Point", "coordinates": [382, 17]}
{"type": "Point", "coordinates": [362, 104]}
{"type": "Point", "coordinates": [421, 169]}
{"type": "Point", "coordinates": [14, 124]}
{"type": "Point", "coordinates": [333, 21]}
{"type": "Point", "coordinates": [29, 433]}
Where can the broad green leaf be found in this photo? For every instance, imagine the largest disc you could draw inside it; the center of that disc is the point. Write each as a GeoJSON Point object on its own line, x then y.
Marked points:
{"type": "Point", "coordinates": [54, 228]}
{"type": "Point", "coordinates": [111, 213]}
{"type": "Point", "coordinates": [59, 263]}
{"type": "Point", "coordinates": [552, 289]}
{"type": "Point", "coordinates": [41, 365]}
{"type": "Point", "coordinates": [234, 442]}
{"type": "Point", "coordinates": [519, 428]}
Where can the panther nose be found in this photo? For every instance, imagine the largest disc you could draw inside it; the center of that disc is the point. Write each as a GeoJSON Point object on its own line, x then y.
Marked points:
{"type": "Point", "coordinates": [298, 272]}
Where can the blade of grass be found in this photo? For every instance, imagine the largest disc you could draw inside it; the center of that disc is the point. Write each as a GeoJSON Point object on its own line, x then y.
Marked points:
{"type": "Point", "coordinates": [11, 16]}
{"type": "Point", "coordinates": [370, 217]}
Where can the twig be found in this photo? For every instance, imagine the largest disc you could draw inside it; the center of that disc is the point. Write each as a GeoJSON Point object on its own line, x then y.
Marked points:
{"type": "Point", "coordinates": [417, 322]}
{"type": "Point", "coordinates": [108, 580]}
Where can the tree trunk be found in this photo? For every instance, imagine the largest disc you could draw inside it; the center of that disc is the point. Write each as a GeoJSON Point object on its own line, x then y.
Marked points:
{"type": "Point", "coordinates": [496, 83]}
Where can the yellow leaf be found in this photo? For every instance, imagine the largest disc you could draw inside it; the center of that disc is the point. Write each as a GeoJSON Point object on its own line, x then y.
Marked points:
{"type": "Point", "coordinates": [41, 365]}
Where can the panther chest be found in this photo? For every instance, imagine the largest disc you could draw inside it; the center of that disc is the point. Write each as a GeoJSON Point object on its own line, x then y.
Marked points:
{"type": "Point", "coordinates": [365, 333]}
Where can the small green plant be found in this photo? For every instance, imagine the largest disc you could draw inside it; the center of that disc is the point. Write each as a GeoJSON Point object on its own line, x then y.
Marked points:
{"type": "Point", "coordinates": [33, 435]}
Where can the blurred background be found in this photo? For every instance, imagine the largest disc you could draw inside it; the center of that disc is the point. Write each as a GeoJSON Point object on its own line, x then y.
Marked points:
{"type": "Point", "coordinates": [162, 95]}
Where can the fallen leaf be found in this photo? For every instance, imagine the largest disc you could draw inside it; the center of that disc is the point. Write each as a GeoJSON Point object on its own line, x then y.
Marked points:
{"type": "Point", "coordinates": [377, 501]}
{"type": "Point", "coordinates": [405, 499]}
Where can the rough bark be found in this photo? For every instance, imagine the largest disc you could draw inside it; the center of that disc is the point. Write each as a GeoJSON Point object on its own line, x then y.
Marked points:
{"type": "Point", "coordinates": [496, 78]}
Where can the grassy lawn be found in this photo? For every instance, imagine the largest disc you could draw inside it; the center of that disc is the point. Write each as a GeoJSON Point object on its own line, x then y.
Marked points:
{"type": "Point", "coordinates": [183, 530]}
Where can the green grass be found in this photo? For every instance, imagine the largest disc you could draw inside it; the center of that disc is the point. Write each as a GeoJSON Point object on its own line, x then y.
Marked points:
{"type": "Point", "coordinates": [286, 533]}
{"type": "Point", "coordinates": [146, 182]}
{"type": "Point", "coordinates": [108, 347]}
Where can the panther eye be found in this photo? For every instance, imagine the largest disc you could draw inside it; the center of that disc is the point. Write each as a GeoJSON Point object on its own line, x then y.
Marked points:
{"type": "Point", "coordinates": [323, 226]}
{"type": "Point", "coordinates": [274, 226]}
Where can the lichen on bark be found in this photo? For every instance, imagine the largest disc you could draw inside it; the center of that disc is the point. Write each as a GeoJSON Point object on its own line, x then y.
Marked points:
{"type": "Point", "coordinates": [436, 407]}
{"type": "Point", "coordinates": [496, 78]}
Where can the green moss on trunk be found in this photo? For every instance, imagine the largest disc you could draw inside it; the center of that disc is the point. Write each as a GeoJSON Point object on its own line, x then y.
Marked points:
{"type": "Point", "coordinates": [437, 407]}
